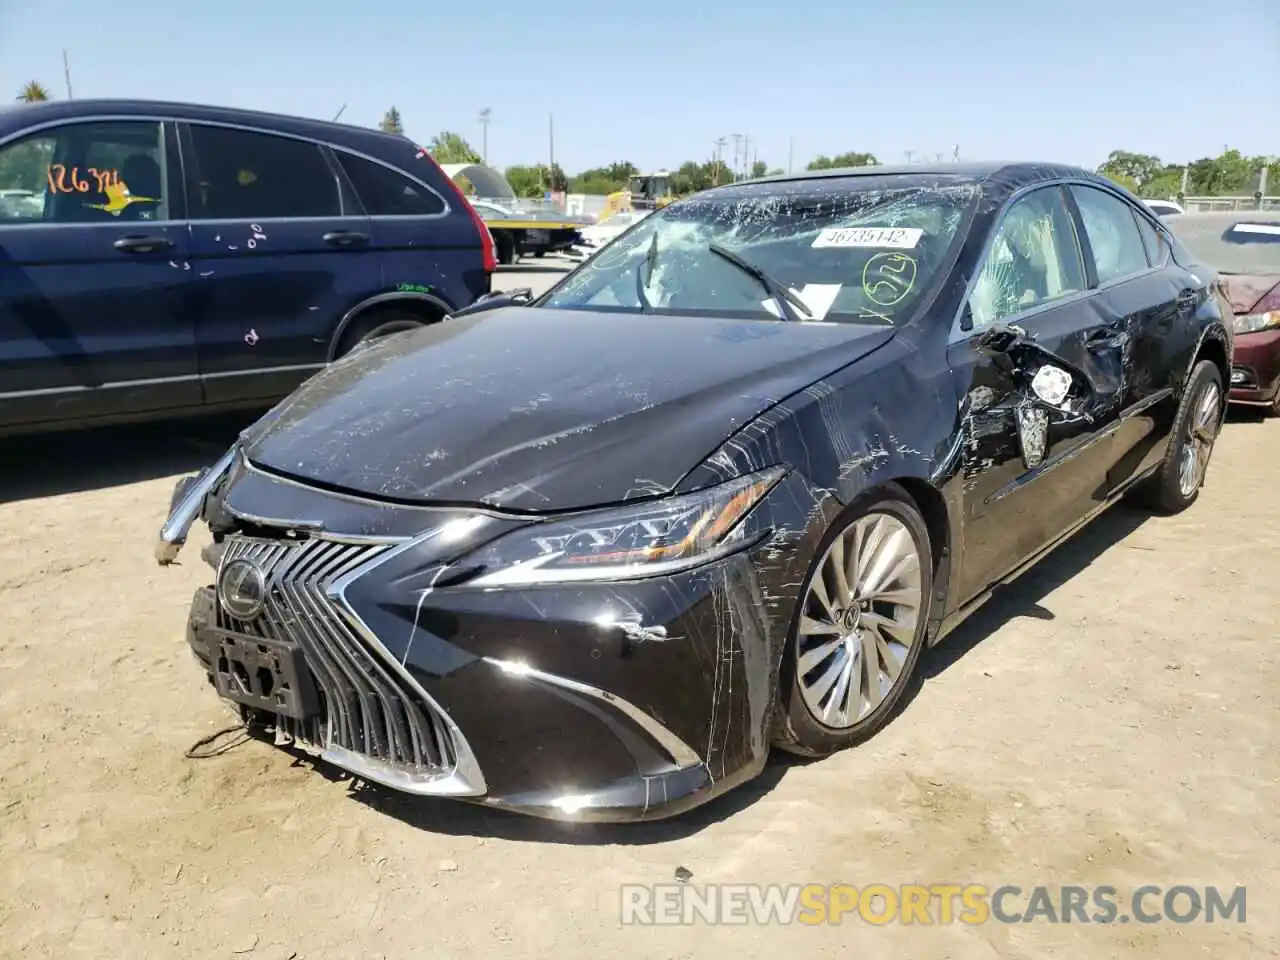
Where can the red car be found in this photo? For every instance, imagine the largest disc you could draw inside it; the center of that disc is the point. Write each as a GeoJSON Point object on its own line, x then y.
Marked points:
{"type": "Point", "coordinates": [1244, 245]}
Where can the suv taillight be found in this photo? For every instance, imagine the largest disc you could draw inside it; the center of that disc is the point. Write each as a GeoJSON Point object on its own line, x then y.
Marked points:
{"type": "Point", "coordinates": [488, 250]}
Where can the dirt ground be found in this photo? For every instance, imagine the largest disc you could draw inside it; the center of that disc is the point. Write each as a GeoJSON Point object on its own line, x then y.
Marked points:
{"type": "Point", "coordinates": [1110, 719]}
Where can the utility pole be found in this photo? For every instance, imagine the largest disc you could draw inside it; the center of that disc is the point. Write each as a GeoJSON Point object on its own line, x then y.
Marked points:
{"type": "Point", "coordinates": [737, 145]}
{"type": "Point", "coordinates": [719, 155]}
{"type": "Point", "coordinates": [746, 156]}
{"type": "Point", "coordinates": [791, 149]}
{"type": "Point", "coordinates": [341, 110]}
{"type": "Point", "coordinates": [955, 154]}
{"type": "Point", "coordinates": [66, 71]}
{"type": "Point", "coordinates": [551, 151]}
{"type": "Point", "coordinates": [485, 116]}
{"type": "Point", "coordinates": [908, 154]}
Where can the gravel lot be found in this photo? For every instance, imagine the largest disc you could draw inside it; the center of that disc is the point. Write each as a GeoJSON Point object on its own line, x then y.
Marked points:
{"type": "Point", "coordinates": [1110, 719]}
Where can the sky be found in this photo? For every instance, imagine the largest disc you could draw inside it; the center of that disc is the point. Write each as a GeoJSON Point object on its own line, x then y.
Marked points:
{"type": "Point", "coordinates": [657, 83]}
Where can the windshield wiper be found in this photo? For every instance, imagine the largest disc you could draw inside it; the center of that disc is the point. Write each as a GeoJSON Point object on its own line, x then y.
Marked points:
{"type": "Point", "coordinates": [643, 277]}
{"type": "Point", "coordinates": [788, 303]}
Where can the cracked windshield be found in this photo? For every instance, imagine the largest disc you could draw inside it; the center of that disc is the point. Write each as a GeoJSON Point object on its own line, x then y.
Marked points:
{"type": "Point", "coordinates": [642, 480]}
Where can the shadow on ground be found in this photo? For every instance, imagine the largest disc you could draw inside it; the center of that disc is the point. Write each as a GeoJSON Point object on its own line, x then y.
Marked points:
{"type": "Point", "coordinates": [72, 462]}
{"type": "Point", "coordinates": [1022, 598]}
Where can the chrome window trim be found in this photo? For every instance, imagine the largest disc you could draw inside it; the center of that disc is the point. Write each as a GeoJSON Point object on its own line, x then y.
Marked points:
{"type": "Point", "coordinates": [958, 335]}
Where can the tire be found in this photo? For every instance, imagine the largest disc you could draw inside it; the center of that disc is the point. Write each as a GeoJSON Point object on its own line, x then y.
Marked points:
{"type": "Point", "coordinates": [887, 519]}
{"type": "Point", "coordinates": [1195, 428]}
{"type": "Point", "coordinates": [374, 327]}
{"type": "Point", "coordinates": [539, 254]}
{"type": "Point", "coordinates": [506, 249]}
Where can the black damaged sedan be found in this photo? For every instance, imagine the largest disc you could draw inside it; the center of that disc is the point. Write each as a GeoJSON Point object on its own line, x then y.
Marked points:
{"type": "Point", "coordinates": [592, 556]}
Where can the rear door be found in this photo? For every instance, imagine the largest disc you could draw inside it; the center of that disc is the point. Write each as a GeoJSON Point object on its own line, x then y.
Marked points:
{"type": "Point", "coordinates": [94, 277]}
{"type": "Point", "coordinates": [1148, 302]}
{"type": "Point", "coordinates": [425, 246]}
{"type": "Point", "coordinates": [1038, 416]}
{"type": "Point", "coordinates": [280, 252]}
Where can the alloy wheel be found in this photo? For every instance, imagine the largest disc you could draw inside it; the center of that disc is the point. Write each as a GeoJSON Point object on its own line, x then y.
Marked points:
{"type": "Point", "coordinates": [1202, 430]}
{"type": "Point", "coordinates": [858, 622]}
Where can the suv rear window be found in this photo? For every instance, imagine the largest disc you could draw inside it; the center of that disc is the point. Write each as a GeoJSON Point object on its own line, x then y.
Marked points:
{"type": "Point", "coordinates": [386, 193]}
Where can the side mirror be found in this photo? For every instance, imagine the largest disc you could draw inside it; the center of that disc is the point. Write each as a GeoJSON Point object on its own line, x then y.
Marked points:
{"type": "Point", "coordinates": [492, 301]}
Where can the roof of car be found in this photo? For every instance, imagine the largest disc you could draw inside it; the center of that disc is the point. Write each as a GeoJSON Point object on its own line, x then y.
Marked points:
{"type": "Point", "coordinates": [59, 109]}
{"type": "Point", "coordinates": [994, 171]}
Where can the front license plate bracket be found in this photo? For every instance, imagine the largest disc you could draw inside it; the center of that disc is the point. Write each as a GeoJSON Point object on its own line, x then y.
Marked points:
{"type": "Point", "coordinates": [264, 674]}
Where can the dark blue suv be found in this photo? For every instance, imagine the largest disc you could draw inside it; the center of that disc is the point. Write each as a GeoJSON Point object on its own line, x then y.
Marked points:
{"type": "Point", "coordinates": [162, 259]}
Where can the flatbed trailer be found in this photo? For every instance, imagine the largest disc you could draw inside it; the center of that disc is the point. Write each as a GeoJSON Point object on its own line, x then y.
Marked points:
{"type": "Point", "coordinates": [535, 237]}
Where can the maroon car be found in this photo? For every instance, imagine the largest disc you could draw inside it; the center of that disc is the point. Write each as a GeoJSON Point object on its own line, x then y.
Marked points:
{"type": "Point", "coordinates": [1244, 245]}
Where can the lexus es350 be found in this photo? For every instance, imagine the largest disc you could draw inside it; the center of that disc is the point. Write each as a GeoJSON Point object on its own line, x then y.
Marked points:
{"type": "Point", "coordinates": [593, 555]}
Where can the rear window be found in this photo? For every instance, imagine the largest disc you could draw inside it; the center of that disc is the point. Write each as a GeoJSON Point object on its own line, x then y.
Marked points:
{"type": "Point", "coordinates": [1238, 243]}
{"type": "Point", "coordinates": [387, 193]}
{"type": "Point", "coordinates": [860, 249]}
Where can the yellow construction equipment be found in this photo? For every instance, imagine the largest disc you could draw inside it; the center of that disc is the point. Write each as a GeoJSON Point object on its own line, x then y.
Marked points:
{"type": "Point", "coordinates": [645, 191]}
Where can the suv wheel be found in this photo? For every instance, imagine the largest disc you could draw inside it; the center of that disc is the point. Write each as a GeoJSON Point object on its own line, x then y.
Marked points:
{"type": "Point", "coordinates": [375, 327]}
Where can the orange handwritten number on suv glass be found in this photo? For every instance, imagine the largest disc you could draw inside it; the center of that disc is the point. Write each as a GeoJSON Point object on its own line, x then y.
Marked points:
{"type": "Point", "coordinates": [58, 181]}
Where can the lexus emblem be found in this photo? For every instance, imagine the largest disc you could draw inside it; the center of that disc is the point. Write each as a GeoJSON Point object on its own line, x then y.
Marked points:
{"type": "Point", "coordinates": [242, 589]}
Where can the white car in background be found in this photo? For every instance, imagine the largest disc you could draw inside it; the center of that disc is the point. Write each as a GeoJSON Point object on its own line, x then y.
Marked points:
{"type": "Point", "coordinates": [1163, 208]}
{"type": "Point", "coordinates": [597, 235]}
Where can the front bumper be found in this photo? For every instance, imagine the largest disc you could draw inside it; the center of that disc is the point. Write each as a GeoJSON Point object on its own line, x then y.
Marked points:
{"type": "Point", "coordinates": [605, 702]}
{"type": "Point", "coordinates": [1255, 368]}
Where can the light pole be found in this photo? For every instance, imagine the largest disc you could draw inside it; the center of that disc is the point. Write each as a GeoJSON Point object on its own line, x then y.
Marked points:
{"type": "Point", "coordinates": [485, 116]}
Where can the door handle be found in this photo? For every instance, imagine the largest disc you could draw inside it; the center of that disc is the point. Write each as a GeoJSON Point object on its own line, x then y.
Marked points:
{"type": "Point", "coordinates": [138, 244]}
{"type": "Point", "coordinates": [345, 238]}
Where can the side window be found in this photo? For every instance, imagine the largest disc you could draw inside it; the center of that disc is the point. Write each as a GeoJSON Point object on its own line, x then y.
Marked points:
{"type": "Point", "coordinates": [100, 172]}
{"type": "Point", "coordinates": [243, 175]}
{"type": "Point", "coordinates": [1153, 242]}
{"type": "Point", "coordinates": [1034, 258]}
{"type": "Point", "coordinates": [1118, 249]}
{"type": "Point", "coordinates": [386, 193]}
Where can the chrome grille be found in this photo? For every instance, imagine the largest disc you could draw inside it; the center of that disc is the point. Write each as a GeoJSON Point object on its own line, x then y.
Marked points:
{"type": "Point", "coordinates": [365, 708]}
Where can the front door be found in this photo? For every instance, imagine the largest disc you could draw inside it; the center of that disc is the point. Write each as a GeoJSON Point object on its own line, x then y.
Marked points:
{"type": "Point", "coordinates": [1151, 300]}
{"type": "Point", "coordinates": [94, 276]}
{"type": "Point", "coordinates": [279, 255]}
{"type": "Point", "coordinates": [1042, 375]}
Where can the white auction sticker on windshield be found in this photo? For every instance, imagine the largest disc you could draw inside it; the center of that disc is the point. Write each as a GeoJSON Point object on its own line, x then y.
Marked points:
{"type": "Point", "coordinates": [894, 238]}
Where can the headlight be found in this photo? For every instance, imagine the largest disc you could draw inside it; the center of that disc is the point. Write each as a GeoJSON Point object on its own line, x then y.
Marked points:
{"type": "Point", "coordinates": [1254, 322]}
{"type": "Point", "coordinates": [641, 540]}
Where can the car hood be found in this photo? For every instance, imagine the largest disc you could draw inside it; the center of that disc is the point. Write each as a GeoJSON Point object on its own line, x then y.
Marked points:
{"type": "Point", "coordinates": [1245, 291]}
{"type": "Point", "coordinates": [538, 410]}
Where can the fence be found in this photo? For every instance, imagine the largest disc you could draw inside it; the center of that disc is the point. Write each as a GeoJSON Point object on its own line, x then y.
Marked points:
{"type": "Point", "coordinates": [1230, 203]}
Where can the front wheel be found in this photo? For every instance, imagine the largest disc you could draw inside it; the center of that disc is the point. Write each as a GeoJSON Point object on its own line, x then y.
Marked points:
{"type": "Point", "coordinates": [1195, 429]}
{"type": "Point", "coordinates": [860, 627]}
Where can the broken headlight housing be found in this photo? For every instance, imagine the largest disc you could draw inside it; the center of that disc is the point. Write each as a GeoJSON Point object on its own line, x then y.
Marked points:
{"type": "Point", "coordinates": [1257, 322]}
{"type": "Point", "coordinates": [627, 542]}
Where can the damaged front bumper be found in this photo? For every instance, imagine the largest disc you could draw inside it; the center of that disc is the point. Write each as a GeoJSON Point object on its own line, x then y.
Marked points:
{"type": "Point", "coordinates": [586, 702]}
{"type": "Point", "coordinates": [187, 506]}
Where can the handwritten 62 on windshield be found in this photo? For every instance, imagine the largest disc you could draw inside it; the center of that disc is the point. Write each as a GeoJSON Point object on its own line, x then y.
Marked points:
{"type": "Point", "coordinates": [69, 180]}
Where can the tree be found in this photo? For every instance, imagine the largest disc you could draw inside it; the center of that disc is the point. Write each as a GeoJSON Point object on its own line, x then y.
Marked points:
{"type": "Point", "coordinates": [33, 92]}
{"type": "Point", "coordinates": [466, 186]}
{"type": "Point", "coordinates": [1136, 168]}
{"type": "Point", "coordinates": [851, 159]}
{"type": "Point", "coordinates": [1228, 173]}
{"type": "Point", "coordinates": [391, 122]}
{"type": "Point", "coordinates": [1124, 180]}
{"type": "Point", "coordinates": [759, 169]}
{"type": "Point", "coordinates": [602, 181]}
{"type": "Point", "coordinates": [450, 147]}
{"type": "Point", "coordinates": [534, 181]}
